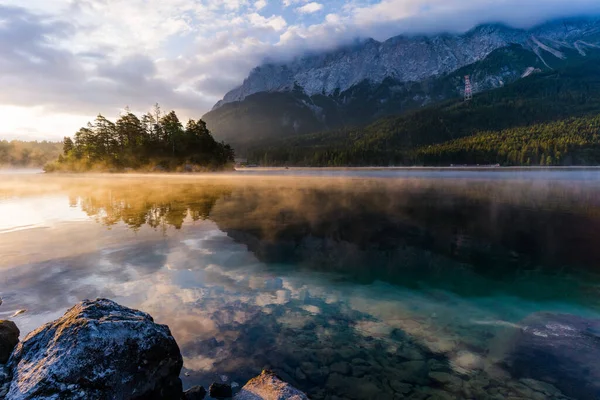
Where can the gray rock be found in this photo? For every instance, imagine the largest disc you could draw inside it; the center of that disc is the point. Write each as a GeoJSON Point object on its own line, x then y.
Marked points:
{"type": "Point", "coordinates": [9, 337]}
{"type": "Point", "coordinates": [520, 390]}
{"type": "Point", "coordinates": [437, 394]}
{"type": "Point", "coordinates": [444, 378]}
{"type": "Point", "coordinates": [410, 353]}
{"type": "Point", "coordinates": [349, 387]}
{"type": "Point", "coordinates": [97, 350]}
{"type": "Point", "coordinates": [561, 348]}
{"type": "Point", "coordinates": [359, 361]}
{"type": "Point", "coordinates": [361, 370]}
{"type": "Point", "coordinates": [326, 356]}
{"type": "Point", "coordinates": [542, 387]}
{"type": "Point", "coordinates": [220, 391]}
{"type": "Point", "coordinates": [341, 367]}
{"type": "Point", "coordinates": [400, 387]}
{"type": "Point", "coordinates": [300, 375]}
{"type": "Point", "coordinates": [410, 371]}
{"type": "Point", "coordinates": [314, 373]}
{"type": "Point", "coordinates": [195, 393]}
{"type": "Point", "coordinates": [435, 365]}
{"type": "Point", "coordinates": [267, 386]}
{"type": "Point", "coordinates": [4, 381]}
{"type": "Point", "coordinates": [4, 374]}
{"type": "Point", "coordinates": [467, 362]}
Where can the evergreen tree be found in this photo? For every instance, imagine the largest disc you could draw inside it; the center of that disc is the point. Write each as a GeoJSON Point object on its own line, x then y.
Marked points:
{"type": "Point", "coordinates": [132, 142]}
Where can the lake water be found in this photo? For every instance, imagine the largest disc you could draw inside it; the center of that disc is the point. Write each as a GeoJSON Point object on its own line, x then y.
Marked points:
{"type": "Point", "coordinates": [373, 284]}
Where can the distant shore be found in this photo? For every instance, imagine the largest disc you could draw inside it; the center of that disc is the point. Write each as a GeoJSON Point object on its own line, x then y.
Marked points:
{"type": "Point", "coordinates": [238, 171]}
{"type": "Point", "coordinates": [426, 168]}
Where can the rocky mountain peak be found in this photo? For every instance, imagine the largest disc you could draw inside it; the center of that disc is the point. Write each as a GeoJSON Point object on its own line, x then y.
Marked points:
{"type": "Point", "coordinates": [412, 58]}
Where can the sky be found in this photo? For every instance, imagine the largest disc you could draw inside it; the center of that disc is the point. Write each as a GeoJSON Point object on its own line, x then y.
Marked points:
{"type": "Point", "coordinates": [64, 61]}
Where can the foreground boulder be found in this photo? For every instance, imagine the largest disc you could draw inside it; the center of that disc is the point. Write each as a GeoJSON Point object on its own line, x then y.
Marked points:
{"type": "Point", "coordinates": [9, 337]}
{"type": "Point", "coordinates": [97, 350]}
{"type": "Point", "coordinates": [268, 386]}
{"type": "Point", "coordinates": [560, 349]}
{"type": "Point", "coordinates": [195, 393]}
{"type": "Point", "coordinates": [220, 391]}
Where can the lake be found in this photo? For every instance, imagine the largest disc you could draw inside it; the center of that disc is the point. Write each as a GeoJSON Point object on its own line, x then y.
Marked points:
{"type": "Point", "coordinates": [357, 284]}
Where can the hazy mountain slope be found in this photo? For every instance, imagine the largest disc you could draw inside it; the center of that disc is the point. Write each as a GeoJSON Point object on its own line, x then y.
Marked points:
{"type": "Point", "coordinates": [357, 84]}
{"type": "Point", "coordinates": [570, 91]}
{"type": "Point", "coordinates": [253, 119]}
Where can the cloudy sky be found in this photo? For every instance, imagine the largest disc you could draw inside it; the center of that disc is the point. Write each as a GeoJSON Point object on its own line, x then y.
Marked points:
{"type": "Point", "coordinates": [64, 61]}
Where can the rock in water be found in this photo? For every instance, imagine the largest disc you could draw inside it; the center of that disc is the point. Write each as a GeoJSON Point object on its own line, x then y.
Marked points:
{"type": "Point", "coordinates": [195, 393]}
{"type": "Point", "coordinates": [559, 348]}
{"type": "Point", "coordinates": [220, 391]}
{"type": "Point", "coordinates": [4, 381]}
{"type": "Point", "coordinates": [9, 337]}
{"type": "Point", "coordinates": [268, 386]}
{"type": "Point", "coordinates": [97, 350]}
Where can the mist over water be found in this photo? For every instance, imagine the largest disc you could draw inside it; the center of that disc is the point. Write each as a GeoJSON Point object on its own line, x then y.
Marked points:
{"type": "Point", "coordinates": [361, 285]}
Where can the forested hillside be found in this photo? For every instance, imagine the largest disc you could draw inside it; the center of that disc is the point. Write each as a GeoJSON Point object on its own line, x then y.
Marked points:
{"type": "Point", "coordinates": [21, 154]}
{"type": "Point", "coordinates": [278, 115]}
{"type": "Point", "coordinates": [536, 104]}
{"type": "Point", "coordinates": [574, 141]}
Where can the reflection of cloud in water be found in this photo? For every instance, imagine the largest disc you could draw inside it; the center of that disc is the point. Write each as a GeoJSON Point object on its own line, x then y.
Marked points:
{"type": "Point", "coordinates": [232, 314]}
{"type": "Point", "coordinates": [19, 213]}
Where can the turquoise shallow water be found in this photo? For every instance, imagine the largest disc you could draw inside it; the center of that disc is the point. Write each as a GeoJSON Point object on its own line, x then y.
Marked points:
{"type": "Point", "coordinates": [350, 284]}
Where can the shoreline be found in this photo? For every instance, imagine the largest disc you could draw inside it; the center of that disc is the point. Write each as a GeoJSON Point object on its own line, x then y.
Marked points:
{"type": "Point", "coordinates": [100, 349]}
{"type": "Point", "coordinates": [32, 171]}
{"type": "Point", "coordinates": [425, 168]}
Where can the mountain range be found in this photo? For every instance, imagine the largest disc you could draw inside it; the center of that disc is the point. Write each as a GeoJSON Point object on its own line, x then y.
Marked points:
{"type": "Point", "coordinates": [360, 83]}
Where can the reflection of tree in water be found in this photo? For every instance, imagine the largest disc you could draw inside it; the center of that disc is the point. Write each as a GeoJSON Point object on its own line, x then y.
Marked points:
{"type": "Point", "coordinates": [157, 206]}
{"type": "Point", "coordinates": [491, 226]}
{"type": "Point", "coordinates": [408, 231]}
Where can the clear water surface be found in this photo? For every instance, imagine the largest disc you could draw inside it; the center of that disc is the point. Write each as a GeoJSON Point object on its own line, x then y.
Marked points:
{"type": "Point", "coordinates": [368, 284]}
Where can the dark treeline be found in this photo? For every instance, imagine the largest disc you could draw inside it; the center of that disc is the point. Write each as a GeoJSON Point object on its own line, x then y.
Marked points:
{"type": "Point", "coordinates": [156, 141]}
{"type": "Point", "coordinates": [17, 153]}
{"type": "Point", "coordinates": [574, 141]}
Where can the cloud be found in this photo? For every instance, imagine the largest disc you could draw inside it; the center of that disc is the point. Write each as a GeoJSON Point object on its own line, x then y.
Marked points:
{"type": "Point", "coordinates": [35, 71]}
{"type": "Point", "coordinates": [260, 4]}
{"type": "Point", "coordinates": [287, 3]}
{"type": "Point", "coordinates": [81, 57]}
{"type": "Point", "coordinates": [310, 8]}
{"type": "Point", "coordinates": [276, 22]}
{"type": "Point", "coordinates": [417, 16]}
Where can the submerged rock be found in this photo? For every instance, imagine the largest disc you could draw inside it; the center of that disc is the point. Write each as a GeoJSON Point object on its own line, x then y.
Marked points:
{"type": "Point", "coordinates": [97, 350]}
{"type": "Point", "coordinates": [195, 393]}
{"type": "Point", "coordinates": [9, 337]}
{"type": "Point", "coordinates": [268, 386]}
{"type": "Point", "coordinates": [558, 348]}
{"type": "Point", "coordinates": [220, 391]}
{"type": "Point", "coordinates": [4, 381]}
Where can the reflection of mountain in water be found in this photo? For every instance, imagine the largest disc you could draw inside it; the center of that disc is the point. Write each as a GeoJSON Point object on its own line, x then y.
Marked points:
{"type": "Point", "coordinates": [396, 231]}
{"type": "Point", "coordinates": [408, 227]}
{"type": "Point", "coordinates": [234, 315]}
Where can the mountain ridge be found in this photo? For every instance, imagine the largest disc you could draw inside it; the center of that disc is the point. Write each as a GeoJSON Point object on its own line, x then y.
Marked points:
{"type": "Point", "coordinates": [397, 58]}
{"type": "Point", "coordinates": [422, 71]}
{"type": "Point", "coordinates": [553, 114]}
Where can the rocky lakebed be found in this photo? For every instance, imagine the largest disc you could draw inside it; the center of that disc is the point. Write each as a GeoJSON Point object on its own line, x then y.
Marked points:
{"type": "Point", "coordinates": [102, 350]}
